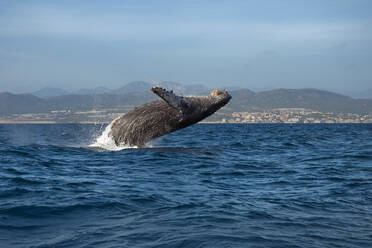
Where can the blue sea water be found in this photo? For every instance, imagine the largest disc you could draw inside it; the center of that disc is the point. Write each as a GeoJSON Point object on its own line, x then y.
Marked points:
{"type": "Point", "coordinates": [209, 185]}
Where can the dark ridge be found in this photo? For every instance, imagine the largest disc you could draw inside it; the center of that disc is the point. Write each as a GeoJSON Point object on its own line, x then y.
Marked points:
{"type": "Point", "coordinates": [21, 103]}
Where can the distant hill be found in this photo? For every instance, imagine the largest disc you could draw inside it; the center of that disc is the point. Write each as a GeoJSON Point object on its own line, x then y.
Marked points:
{"type": "Point", "coordinates": [142, 86]}
{"type": "Point", "coordinates": [97, 90]}
{"type": "Point", "coordinates": [98, 101]}
{"type": "Point", "coordinates": [21, 103]}
{"type": "Point", "coordinates": [365, 94]}
{"type": "Point", "coordinates": [136, 86]}
{"type": "Point", "coordinates": [299, 98]}
{"type": "Point", "coordinates": [49, 91]}
{"type": "Point", "coordinates": [190, 89]}
{"type": "Point", "coordinates": [137, 93]}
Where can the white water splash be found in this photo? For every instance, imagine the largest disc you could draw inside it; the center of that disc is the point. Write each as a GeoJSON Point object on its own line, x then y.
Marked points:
{"type": "Point", "coordinates": [106, 142]}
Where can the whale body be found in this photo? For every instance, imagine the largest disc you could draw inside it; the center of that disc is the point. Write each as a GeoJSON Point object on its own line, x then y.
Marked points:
{"type": "Point", "coordinates": [158, 118]}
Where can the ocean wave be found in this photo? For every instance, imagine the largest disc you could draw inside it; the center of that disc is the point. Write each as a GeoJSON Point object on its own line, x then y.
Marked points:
{"type": "Point", "coordinates": [204, 186]}
{"type": "Point", "coordinates": [43, 211]}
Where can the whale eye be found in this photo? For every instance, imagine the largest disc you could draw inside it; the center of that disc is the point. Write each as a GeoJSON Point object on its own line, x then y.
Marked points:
{"type": "Point", "coordinates": [216, 92]}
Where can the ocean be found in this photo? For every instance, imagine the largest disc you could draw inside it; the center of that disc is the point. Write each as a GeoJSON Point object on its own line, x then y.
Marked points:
{"type": "Point", "coordinates": [209, 185]}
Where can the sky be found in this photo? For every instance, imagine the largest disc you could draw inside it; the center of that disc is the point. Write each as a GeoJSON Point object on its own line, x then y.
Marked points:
{"type": "Point", "coordinates": [325, 44]}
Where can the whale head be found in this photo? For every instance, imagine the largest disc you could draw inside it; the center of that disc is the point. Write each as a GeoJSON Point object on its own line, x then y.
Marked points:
{"type": "Point", "coordinates": [216, 100]}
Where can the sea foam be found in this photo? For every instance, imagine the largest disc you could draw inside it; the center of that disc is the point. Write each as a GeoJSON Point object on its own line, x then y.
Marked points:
{"type": "Point", "coordinates": [106, 142]}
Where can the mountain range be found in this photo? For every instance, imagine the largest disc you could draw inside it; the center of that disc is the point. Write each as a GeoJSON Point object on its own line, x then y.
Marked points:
{"type": "Point", "coordinates": [138, 92]}
{"type": "Point", "coordinates": [135, 86]}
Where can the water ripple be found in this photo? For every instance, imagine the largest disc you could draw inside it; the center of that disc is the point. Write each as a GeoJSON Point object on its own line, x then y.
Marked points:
{"type": "Point", "coordinates": [258, 185]}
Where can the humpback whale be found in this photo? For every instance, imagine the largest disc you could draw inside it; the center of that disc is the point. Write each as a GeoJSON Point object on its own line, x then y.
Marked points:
{"type": "Point", "coordinates": [171, 113]}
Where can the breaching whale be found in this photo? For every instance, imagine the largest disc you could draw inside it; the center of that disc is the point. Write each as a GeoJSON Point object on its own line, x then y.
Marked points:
{"type": "Point", "coordinates": [157, 118]}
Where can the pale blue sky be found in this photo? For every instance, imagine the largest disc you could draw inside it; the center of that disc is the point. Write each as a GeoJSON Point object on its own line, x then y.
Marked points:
{"type": "Point", "coordinates": [268, 44]}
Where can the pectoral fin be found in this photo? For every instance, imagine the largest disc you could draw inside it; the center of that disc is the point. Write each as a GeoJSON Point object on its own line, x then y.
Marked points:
{"type": "Point", "coordinates": [172, 99]}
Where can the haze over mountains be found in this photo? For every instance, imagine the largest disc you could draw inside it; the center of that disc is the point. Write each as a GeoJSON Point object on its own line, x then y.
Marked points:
{"type": "Point", "coordinates": [138, 92]}
{"type": "Point", "coordinates": [136, 86]}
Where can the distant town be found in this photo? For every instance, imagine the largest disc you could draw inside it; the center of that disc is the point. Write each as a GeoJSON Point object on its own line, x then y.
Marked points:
{"type": "Point", "coordinates": [297, 115]}
{"type": "Point", "coordinates": [279, 115]}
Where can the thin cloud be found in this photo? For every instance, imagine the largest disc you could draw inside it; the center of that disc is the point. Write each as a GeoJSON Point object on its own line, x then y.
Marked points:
{"type": "Point", "coordinates": [47, 21]}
